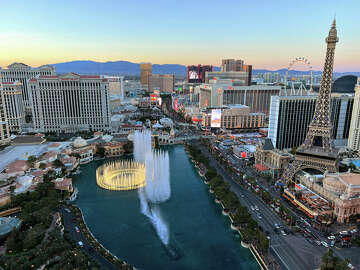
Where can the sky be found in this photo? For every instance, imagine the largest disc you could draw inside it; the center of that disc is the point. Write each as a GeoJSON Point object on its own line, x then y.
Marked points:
{"type": "Point", "coordinates": [266, 34]}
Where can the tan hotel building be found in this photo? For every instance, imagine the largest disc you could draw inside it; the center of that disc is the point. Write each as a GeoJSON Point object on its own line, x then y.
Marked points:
{"type": "Point", "coordinates": [145, 70]}
{"type": "Point", "coordinates": [70, 103]}
{"type": "Point", "coordinates": [235, 117]}
{"type": "Point", "coordinates": [342, 190]}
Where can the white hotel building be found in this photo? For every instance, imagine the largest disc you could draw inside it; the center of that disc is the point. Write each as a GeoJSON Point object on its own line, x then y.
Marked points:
{"type": "Point", "coordinates": [70, 103]}
{"type": "Point", "coordinates": [354, 134]}
{"type": "Point", "coordinates": [21, 72]}
{"type": "Point", "coordinates": [12, 92]}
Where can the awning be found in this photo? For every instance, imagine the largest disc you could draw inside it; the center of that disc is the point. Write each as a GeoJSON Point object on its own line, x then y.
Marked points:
{"type": "Point", "coordinates": [260, 167]}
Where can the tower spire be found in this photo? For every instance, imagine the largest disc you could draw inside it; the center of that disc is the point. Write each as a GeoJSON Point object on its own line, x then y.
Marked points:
{"type": "Point", "coordinates": [319, 133]}
{"type": "Point", "coordinates": [317, 151]}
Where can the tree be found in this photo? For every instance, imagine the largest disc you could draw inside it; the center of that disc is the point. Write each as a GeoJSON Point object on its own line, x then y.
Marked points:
{"type": "Point", "coordinates": [100, 150]}
{"type": "Point", "coordinates": [31, 161]}
{"type": "Point", "coordinates": [331, 262]}
{"type": "Point", "coordinates": [128, 147]}
{"type": "Point", "coordinates": [12, 189]}
{"type": "Point", "coordinates": [57, 163]}
{"type": "Point", "coordinates": [42, 166]}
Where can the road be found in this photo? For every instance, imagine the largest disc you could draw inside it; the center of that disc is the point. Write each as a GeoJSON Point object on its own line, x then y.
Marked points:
{"type": "Point", "coordinates": [78, 236]}
{"type": "Point", "coordinates": [293, 251]}
{"type": "Point", "coordinates": [343, 253]}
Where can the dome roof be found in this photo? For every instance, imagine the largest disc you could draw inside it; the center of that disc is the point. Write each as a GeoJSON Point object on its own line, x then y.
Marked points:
{"type": "Point", "coordinates": [107, 138]}
{"type": "Point", "coordinates": [344, 84]}
{"type": "Point", "coordinates": [333, 184]}
{"type": "Point", "coordinates": [79, 142]}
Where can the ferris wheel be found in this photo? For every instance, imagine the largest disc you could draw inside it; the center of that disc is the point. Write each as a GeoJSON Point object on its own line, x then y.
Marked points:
{"type": "Point", "coordinates": [297, 88]}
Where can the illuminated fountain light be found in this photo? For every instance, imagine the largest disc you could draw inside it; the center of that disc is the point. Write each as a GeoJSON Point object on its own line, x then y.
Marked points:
{"type": "Point", "coordinates": [121, 175]}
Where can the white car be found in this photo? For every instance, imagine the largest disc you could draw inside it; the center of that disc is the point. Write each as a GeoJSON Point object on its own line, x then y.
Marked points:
{"type": "Point", "coordinates": [331, 237]}
{"type": "Point", "coordinates": [343, 233]}
{"type": "Point", "coordinates": [324, 244]}
{"type": "Point", "coordinates": [283, 232]}
{"type": "Point", "coordinates": [252, 208]}
{"type": "Point", "coordinates": [81, 244]}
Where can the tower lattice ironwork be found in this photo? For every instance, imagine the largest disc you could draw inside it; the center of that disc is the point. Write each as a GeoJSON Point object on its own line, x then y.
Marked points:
{"type": "Point", "coordinates": [317, 151]}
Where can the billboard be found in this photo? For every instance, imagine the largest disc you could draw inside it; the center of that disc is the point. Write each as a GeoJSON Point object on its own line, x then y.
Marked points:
{"type": "Point", "coordinates": [176, 105]}
{"type": "Point", "coordinates": [196, 74]}
{"type": "Point", "coordinates": [215, 118]}
{"type": "Point", "coordinates": [153, 97]}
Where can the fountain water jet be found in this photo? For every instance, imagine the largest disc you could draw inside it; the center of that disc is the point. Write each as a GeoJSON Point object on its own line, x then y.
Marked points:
{"type": "Point", "coordinates": [157, 189]}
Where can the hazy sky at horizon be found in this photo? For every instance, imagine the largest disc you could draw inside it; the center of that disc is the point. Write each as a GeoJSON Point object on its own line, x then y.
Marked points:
{"type": "Point", "coordinates": [268, 34]}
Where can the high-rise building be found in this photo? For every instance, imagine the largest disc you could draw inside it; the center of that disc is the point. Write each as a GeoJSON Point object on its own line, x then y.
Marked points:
{"type": "Point", "coordinates": [21, 72]}
{"type": "Point", "coordinates": [271, 77]}
{"type": "Point", "coordinates": [242, 77]}
{"type": "Point", "coordinates": [163, 83]}
{"type": "Point", "coordinates": [233, 117]}
{"type": "Point", "coordinates": [232, 69]}
{"type": "Point", "coordinates": [354, 135]}
{"type": "Point", "coordinates": [12, 92]}
{"type": "Point", "coordinates": [4, 125]}
{"type": "Point", "coordinates": [232, 65]}
{"type": "Point", "coordinates": [145, 70]}
{"type": "Point", "coordinates": [225, 92]}
{"type": "Point", "coordinates": [290, 117]}
{"type": "Point", "coordinates": [70, 103]}
{"type": "Point", "coordinates": [196, 74]}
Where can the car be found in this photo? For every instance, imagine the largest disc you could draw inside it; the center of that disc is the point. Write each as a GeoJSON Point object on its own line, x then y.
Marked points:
{"type": "Point", "coordinates": [318, 242]}
{"type": "Point", "coordinates": [268, 237]}
{"type": "Point", "coordinates": [80, 244]}
{"type": "Point", "coordinates": [331, 237]}
{"type": "Point", "coordinates": [67, 210]}
{"type": "Point", "coordinates": [353, 231]}
{"type": "Point", "coordinates": [252, 208]}
{"type": "Point", "coordinates": [283, 232]}
{"type": "Point", "coordinates": [77, 229]}
{"type": "Point", "coordinates": [277, 226]}
{"type": "Point", "coordinates": [332, 243]}
{"type": "Point", "coordinates": [324, 244]}
{"type": "Point", "coordinates": [256, 208]}
{"type": "Point", "coordinates": [350, 266]}
{"type": "Point", "coordinates": [259, 215]}
{"type": "Point", "coordinates": [343, 233]}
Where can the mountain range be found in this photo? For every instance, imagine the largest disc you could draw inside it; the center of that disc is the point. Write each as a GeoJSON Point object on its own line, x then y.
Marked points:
{"type": "Point", "coordinates": [129, 68]}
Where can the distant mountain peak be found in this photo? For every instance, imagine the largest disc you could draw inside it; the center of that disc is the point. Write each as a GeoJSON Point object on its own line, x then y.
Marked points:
{"type": "Point", "coordinates": [122, 67]}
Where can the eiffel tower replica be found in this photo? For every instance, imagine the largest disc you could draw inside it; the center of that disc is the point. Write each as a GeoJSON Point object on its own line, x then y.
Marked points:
{"type": "Point", "coordinates": [317, 151]}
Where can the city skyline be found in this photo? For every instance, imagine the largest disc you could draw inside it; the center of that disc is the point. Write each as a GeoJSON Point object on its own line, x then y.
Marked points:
{"type": "Point", "coordinates": [268, 36]}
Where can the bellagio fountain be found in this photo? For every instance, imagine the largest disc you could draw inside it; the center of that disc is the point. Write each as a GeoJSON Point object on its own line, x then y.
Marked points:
{"type": "Point", "coordinates": [149, 173]}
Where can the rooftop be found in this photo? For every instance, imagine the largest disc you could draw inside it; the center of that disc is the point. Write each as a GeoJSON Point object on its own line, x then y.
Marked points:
{"type": "Point", "coordinates": [28, 139]}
